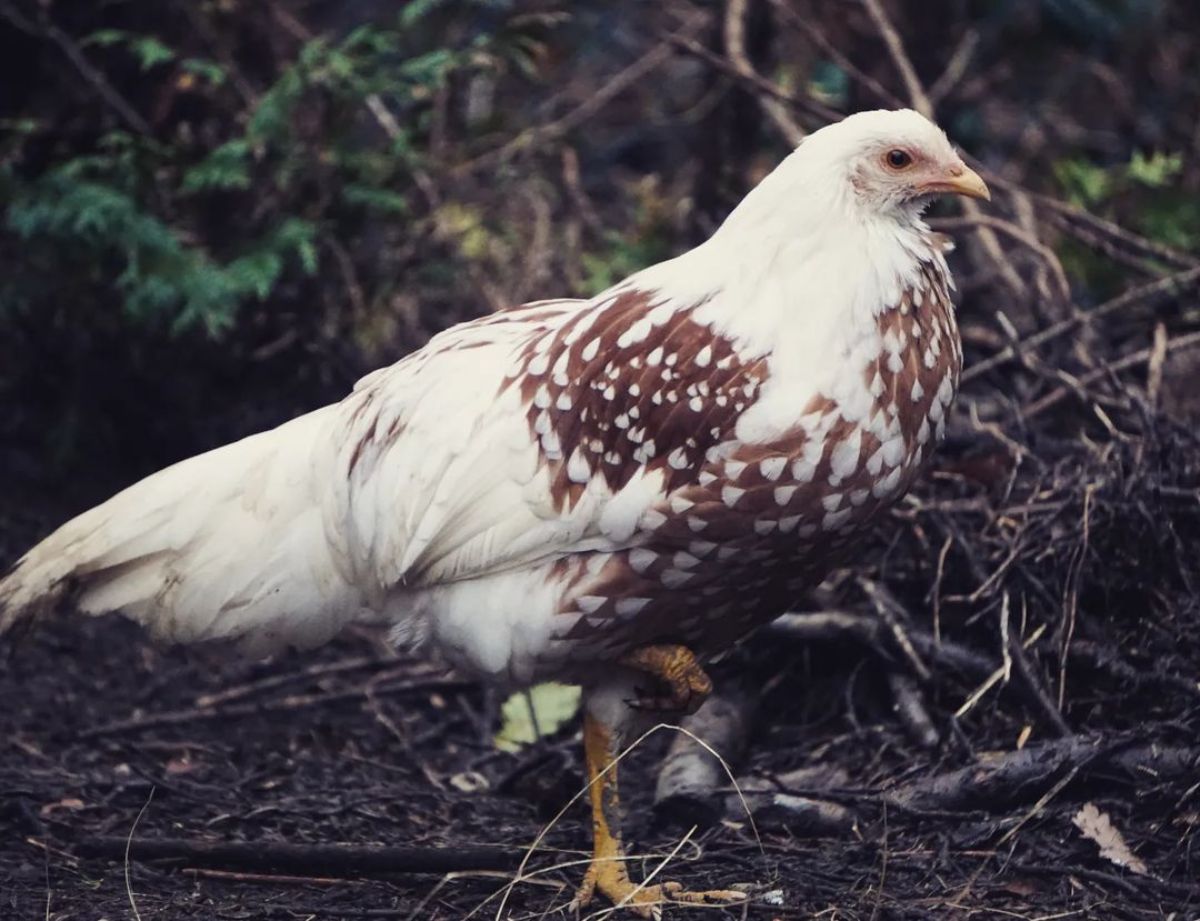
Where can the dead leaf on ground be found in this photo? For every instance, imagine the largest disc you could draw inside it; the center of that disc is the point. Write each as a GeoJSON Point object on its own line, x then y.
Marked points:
{"type": "Point", "coordinates": [69, 803]}
{"type": "Point", "coordinates": [1096, 826]}
{"type": "Point", "coordinates": [553, 704]}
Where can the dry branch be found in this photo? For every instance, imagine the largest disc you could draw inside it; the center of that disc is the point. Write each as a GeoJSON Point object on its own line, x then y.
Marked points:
{"type": "Point", "coordinates": [1001, 780]}
{"type": "Point", "coordinates": [649, 62]}
{"type": "Point", "coordinates": [95, 78]}
{"type": "Point", "coordinates": [430, 679]}
{"type": "Point", "coordinates": [895, 46]}
{"type": "Point", "coordinates": [735, 44]}
{"type": "Point", "coordinates": [320, 860]}
{"type": "Point", "coordinates": [921, 102]}
{"type": "Point", "coordinates": [825, 626]}
{"type": "Point", "coordinates": [793, 801]}
{"type": "Point", "coordinates": [1150, 292]}
{"type": "Point", "coordinates": [1143, 356]}
{"type": "Point", "coordinates": [691, 781]}
{"type": "Point", "coordinates": [817, 37]}
{"type": "Point", "coordinates": [756, 81]}
{"type": "Point", "coordinates": [910, 708]}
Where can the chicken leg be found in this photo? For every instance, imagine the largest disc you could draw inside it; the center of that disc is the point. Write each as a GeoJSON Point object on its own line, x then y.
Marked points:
{"type": "Point", "coordinates": [686, 686]}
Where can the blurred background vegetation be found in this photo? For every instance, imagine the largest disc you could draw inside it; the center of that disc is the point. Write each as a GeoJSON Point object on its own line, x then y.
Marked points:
{"type": "Point", "coordinates": [218, 214]}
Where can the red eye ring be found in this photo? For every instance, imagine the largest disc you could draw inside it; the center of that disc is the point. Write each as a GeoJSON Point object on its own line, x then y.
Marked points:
{"type": "Point", "coordinates": [898, 159]}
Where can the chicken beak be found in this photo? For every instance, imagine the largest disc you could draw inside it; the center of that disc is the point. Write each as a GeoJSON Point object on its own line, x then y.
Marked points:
{"type": "Point", "coordinates": [962, 180]}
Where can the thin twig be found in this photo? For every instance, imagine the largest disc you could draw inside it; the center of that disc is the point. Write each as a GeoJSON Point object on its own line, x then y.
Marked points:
{"type": "Point", "coordinates": [433, 680]}
{"type": "Point", "coordinates": [1071, 595]}
{"type": "Point", "coordinates": [815, 35]}
{"type": "Point", "coordinates": [128, 846]}
{"type": "Point", "coordinates": [321, 670]}
{"type": "Point", "coordinates": [824, 626]}
{"type": "Point", "coordinates": [994, 678]}
{"type": "Point", "coordinates": [735, 45]}
{"type": "Point", "coordinates": [1158, 358]}
{"type": "Point", "coordinates": [326, 860]}
{"type": "Point", "coordinates": [921, 102]}
{"type": "Point", "coordinates": [912, 83]}
{"type": "Point", "coordinates": [1171, 284]}
{"type": "Point", "coordinates": [94, 77]}
{"type": "Point", "coordinates": [1020, 235]}
{"type": "Point", "coordinates": [807, 104]}
{"type": "Point", "coordinates": [649, 62]}
{"type": "Point", "coordinates": [959, 61]}
{"type": "Point", "coordinates": [1144, 245]}
{"type": "Point", "coordinates": [1055, 397]}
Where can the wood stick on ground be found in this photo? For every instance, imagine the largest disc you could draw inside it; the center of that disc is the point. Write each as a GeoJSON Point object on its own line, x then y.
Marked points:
{"type": "Point", "coordinates": [893, 613]}
{"type": "Point", "coordinates": [264, 879]}
{"type": "Point", "coordinates": [833, 626]}
{"type": "Point", "coordinates": [1000, 780]}
{"type": "Point", "coordinates": [793, 801]}
{"type": "Point", "coordinates": [691, 782]}
{"type": "Point", "coordinates": [270, 682]}
{"type": "Point", "coordinates": [1030, 681]}
{"type": "Point", "coordinates": [321, 860]}
{"type": "Point", "coordinates": [437, 679]}
{"type": "Point", "coordinates": [910, 709]}
{"type": "Point", "coordinates": [995, 677]}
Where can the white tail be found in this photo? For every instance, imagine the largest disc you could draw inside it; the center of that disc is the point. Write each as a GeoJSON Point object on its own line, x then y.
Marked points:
{"type": "Point", "coordinates": [228, 544]}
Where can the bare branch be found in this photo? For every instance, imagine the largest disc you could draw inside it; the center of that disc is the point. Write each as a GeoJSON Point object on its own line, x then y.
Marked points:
{"type": "Point", "coordinates": [735, 44]}
{"type": "Point", "coordinates": [912, 83]}
{"type": "Point", "coordinates": [921, 102]}
{"type": "Point", "coordinates": [1172, 284]}
{"type": "Point", "coordinates": [649, 62]}
{"type": "Point", "coordinates": [94, 77]}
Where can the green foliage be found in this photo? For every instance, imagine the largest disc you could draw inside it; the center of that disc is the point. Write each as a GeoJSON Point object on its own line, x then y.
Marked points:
{"type": "Point", "coordinates": [1141, 194]}
{"type": "Point", "coordinates": [149, 51]}
{"type": "Point", "coordinates": [226, 167]}
{"type": "Point", "coordinates": [213, 73]}
{"type": "Point", "coordinates": [644, 244]}
{"type": "Point", "coordinates": [1156, 171]}
{"type": "Point", "coordinates": [544, 708]}
{"type": "Point", "coordinates": [621, 257]}
{"type": "Point", "coordinates": [1087, 184]}
{"type": "Point", "coordinates": [162, 224]}
{"type": "Point", "coordinates": [1084, 183]}
{"type": "Point", "coordinates": [162, 276]}
{"type": "Point", "coordinates": [829, 83]}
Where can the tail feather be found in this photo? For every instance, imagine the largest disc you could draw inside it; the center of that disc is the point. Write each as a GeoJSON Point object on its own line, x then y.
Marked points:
{"type": "Point", "coordinates": [228, 544]}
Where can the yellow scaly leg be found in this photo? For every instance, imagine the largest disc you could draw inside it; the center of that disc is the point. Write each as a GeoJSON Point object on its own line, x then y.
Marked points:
{"type": "Point", "coordinates": [678, 671]}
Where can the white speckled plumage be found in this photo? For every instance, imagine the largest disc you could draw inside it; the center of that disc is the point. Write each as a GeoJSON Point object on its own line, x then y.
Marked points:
{"type": "Point", "coordinates": [474, 494]}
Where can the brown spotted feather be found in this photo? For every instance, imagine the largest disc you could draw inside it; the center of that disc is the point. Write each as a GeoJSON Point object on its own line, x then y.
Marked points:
{"type": "Point", "coordinates": [741, 529]}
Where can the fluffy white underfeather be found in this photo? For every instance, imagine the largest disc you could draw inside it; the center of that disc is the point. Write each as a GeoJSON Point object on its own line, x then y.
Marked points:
{"type": "Point", "coordinates": [447, 529]}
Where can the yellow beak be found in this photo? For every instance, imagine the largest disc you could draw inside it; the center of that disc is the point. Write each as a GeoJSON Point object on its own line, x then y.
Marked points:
{"type": "Point", "coordinates": [962, 181]}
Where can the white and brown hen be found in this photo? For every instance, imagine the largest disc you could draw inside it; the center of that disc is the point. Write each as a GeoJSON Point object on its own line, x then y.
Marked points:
{"type": "Point", "coordinates": [602, 491]}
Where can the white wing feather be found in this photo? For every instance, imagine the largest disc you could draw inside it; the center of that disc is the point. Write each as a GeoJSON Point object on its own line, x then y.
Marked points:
{"type": "Point", "coordinates": [427, 473]}
{"type": "Point", "coordinates": [459, 492]}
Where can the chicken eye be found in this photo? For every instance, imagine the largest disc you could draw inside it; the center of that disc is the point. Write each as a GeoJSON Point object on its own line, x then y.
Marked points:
{"type": "Point", "coordinates": [899, 159]}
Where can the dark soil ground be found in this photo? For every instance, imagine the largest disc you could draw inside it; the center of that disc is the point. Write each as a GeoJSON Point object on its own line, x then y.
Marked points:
{"type": "Point", "coordinates": [378, 750]}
